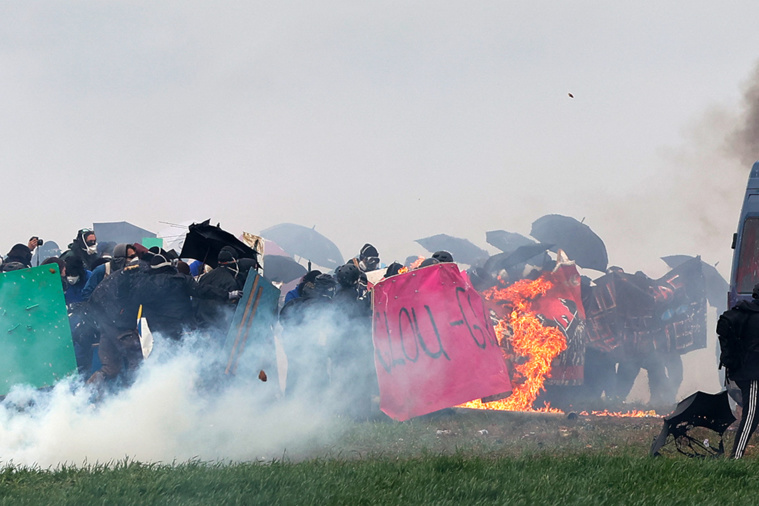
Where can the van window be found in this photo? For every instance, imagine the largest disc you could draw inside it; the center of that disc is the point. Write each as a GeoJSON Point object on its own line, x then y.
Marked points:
{"type": "Point", "coordinates": [748, 259]}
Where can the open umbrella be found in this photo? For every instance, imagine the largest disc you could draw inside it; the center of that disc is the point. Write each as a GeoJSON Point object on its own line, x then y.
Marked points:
{"type": "Point", "coordinates": [463, 250]}
{"type": "Point", "coordinates": [204, 241]}
{"type": "Point", "coordinates": [507, 241]}
{"type": "Point", "coordinates": [711, 411]}
{"type": "Point", "coordinates": [306, 243]}
{"type": "Point", "coordinates": [577, 240]}
{"type": "Point", "coordinates": [519, 256]}
{"type": "Point", "coordinates": [282, 269]}
{"type": "Point", "coordinates": [716, 286]}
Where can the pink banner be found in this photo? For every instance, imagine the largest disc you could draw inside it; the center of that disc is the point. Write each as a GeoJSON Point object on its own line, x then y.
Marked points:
{"type": "Point", "coordinates": [433, 342]}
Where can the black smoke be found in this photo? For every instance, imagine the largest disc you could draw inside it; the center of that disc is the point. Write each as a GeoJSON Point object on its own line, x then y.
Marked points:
{"type": "Point", "coordinates": [743, 141]}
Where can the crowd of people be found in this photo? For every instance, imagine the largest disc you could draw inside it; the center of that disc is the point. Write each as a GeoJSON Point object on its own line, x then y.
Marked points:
{"type": "Point", "coordinates": [106, 287]}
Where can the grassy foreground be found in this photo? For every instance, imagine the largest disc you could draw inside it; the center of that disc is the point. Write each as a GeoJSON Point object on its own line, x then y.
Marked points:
{"type": "Point", "coordinates": [441, 479]}
{"type": "Point", "coordinates": [461, 458]}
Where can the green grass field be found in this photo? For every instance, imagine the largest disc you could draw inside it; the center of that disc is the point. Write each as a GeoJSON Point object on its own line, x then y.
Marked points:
{"type": "Point", "coordinates": [453, 458]}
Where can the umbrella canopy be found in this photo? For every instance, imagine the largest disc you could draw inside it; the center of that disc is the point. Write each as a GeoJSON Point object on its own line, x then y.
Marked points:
{"type": "Point", "coordinates": [577, 240]}
{"type": "Point", "coordinates": [305, 242]}
{"type": "Point", "coordinates": [282, 269]}
{"type": "Point", "coordinates": [507, 241]}
{"type": "Point", "coordinates": [204, 241]}
{"type": "Point", "coordinates": [716, 286]}
{"type": "Point", "coordinates": [463, 250]}
{"type": "Point", "coordinates": [711, 411]}
{"type": "Point", "coordinates": [519, 256]}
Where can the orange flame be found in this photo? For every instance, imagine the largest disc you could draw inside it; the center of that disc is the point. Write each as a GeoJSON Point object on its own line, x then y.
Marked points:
{"type": "Point", "coordinates": [416, 263]}
{"type": "Point", "coordinates": [522, 335]}
{"type": "Point", "coordinates": [529, 340]}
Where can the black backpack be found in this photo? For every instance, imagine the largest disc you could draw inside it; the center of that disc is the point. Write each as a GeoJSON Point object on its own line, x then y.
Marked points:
{"type": "Point", "coordinates": [729, 331]}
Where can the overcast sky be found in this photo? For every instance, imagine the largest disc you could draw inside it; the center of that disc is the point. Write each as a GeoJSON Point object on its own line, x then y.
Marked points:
{"type": "Point", "coordinates": [380, 121]}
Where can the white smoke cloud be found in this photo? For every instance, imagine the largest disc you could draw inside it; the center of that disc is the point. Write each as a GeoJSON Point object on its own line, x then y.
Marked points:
{"type": "Point", "coordinates": [180, 407]}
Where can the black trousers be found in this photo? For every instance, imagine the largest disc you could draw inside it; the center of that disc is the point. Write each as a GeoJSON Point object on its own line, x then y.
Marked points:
{"type": "Point", "coordinates": [749, 420]}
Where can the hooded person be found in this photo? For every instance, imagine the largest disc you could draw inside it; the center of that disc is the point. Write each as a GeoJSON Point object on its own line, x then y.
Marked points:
{"type": "Point", "coordinates": [738, 331]}
{"type": "Point", "coordinates": [166, 297]}
{"type": "Point", "coordinates": [367, 259]}
{"type": "Point", "coordinates": [121, 255]}
{"type": "Point", "coordinates": [350, 347]}
{"type": "Point", "coordinates": [308, 322]}
{"type": "Point", "coordinates": [350, 297]}
{"type": "Point", "coordinates": [19, 257]}
{"type": "Point", "coordinates": [296, 292]}
{"type": "Point", "coordinates": [85, 247]}
{"type": "Point", "coordinates": [113, 308]}
{"type": "Point", "coordinates": [216, 315]}
{"type": "Point", "coordinates": [76, 279]}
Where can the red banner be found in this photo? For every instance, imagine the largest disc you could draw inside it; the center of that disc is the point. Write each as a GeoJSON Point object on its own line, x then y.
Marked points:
{"type": "Point", "coordinates": [562, 307]}
{"type": "Point", "coordinates": [433, 342]}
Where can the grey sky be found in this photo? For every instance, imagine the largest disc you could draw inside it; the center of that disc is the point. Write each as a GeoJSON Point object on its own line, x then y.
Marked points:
{"type": "Point", "coordinates": [379, 121]}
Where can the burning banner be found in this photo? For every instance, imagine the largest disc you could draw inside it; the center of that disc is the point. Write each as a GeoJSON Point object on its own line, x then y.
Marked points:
{"type": "Point", "coordinates": [434, 344]}
{"type": "Point", "coordinates": [555, 301]}
{"type": "Point", "coordinates": [638, 315]}
{"type": "Point", "coordinates": [541, 329]}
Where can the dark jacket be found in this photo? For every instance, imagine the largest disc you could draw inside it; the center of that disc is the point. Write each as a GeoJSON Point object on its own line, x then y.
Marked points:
{"type": "Point", "coordinates": [216, 312]}
{"type": "Point", "coordinates": [79, 248]}
{"type": "Point", "coordinates": [75, 293]}
{"type": "Point", "coordinates": [166, 298]}
{"type": "Point", "coordinates": [749, 342]}
{"type": "Point", "coordinates": [19, 257]}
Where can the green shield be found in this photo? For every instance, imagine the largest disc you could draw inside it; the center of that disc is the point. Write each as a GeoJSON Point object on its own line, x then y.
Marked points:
{"type": "Point", "coordinates": [35, 338]}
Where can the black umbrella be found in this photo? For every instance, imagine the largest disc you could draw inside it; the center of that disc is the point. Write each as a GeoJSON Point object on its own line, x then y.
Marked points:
{"type": "Point", "coordinates": [711, 411]}
{"type": "Point", "coordinates": [306, 243]}
{"type": "Point", "coordinates": [577, 240]}
{"type": "Point", "coordinates": [282, 269]}
{"type": "Point", "coordinates": [463, 250]}
{"type": "Point", "coordinates": [204, 241]}
{"type": "Point", "coordinates": [716, 286]}
{"type": "Point", "coordinates": [507, 241]}
{"type": "Point", "coordinates": [519, 256]}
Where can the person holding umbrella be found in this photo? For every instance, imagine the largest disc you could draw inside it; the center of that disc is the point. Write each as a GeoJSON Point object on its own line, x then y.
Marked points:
{"type": "Point", "coordinates": [215, 315]}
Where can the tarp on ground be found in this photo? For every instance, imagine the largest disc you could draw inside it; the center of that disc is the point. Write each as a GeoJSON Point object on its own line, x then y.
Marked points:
{"type": "Point", "coordinates": [35, 338]}
{"type": "Point", "coordinates": [249, 346]}
{"type": "Point", "coordinates": [434, 344]}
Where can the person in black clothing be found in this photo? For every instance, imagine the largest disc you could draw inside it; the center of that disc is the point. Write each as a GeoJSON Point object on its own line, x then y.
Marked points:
{"type": "Point", "coordinates": [307, 322]}
{"type": "Point", "coordinates": [745, 372]}
{"type": "Point", "coordinates": [110, 317]}
{"type": "Point", "coordinates": [351, 351]}
{"type": "Point", "coordinates": [85, 247]}
{"type": "Point", "coordinates": [19, 257]}
{"type": "Point", "coordinates": [166, 298]}
{"type": "Point", "coordinates": [215, 315]}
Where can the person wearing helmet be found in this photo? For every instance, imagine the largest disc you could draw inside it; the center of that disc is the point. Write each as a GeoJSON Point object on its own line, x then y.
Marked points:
{"type": "Point", "coordinates": [443, 256]}
{"type": "Point", "coordinates": [367, 259]}
{"type": "Point", "coordinates": [351, 298]}
{"type": "Point", "coordinates": [427, 262]}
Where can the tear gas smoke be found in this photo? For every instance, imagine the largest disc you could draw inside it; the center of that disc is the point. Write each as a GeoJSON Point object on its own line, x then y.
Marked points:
{"type": "Point", "coordinates": [180, 407]}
